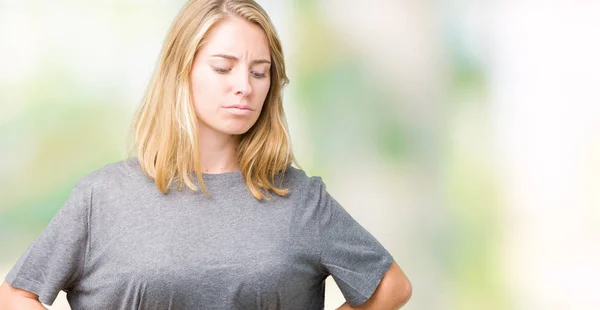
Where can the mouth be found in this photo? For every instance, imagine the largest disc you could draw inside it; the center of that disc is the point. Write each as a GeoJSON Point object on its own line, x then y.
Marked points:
{"type": "Point", "coordinates": [238, 109]}
{"type": "Point", "coordinates": [238, 106]}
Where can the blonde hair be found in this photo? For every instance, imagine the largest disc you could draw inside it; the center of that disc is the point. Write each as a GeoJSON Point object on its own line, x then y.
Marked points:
{"type": "Point", "coordinates": [164, 127]}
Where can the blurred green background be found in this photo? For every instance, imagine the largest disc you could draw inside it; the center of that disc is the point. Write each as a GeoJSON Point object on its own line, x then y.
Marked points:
{"type": "Point", "coordinates": [464, 135]}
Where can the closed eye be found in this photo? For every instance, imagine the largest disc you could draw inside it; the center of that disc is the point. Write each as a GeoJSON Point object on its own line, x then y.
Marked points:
{"type": "Point", "coordinates": [221, 70]}
{"type": "Point", "coordinates": [259, 75]}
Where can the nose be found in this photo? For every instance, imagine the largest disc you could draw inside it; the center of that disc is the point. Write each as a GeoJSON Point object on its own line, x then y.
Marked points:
{"type": "Point", "coordinates": [242, 86]}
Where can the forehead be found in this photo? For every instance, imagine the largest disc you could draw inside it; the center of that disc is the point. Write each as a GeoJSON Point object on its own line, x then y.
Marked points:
{"type": "Point", "coordinates": [237, 37]}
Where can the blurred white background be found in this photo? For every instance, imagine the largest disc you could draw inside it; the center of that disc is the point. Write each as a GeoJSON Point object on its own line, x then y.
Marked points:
{"type": "Point", "coordinates": [464, 135]}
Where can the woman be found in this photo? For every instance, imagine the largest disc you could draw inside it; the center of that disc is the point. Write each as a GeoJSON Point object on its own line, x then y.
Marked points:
{"type": "Point", "coordinates": [260, 235]}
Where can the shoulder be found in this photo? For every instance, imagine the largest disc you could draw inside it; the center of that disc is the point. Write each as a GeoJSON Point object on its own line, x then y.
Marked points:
{"type": "Point", "coordinates": [296, 177]}
{"type": "Point", "coordinates": [114, 174]}
{"type": "Point", "coordinates": [300, 184]}
{"type": "Point", "coordinates": [94, 185]}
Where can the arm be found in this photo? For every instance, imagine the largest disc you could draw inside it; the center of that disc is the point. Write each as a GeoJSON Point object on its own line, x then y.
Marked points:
{"type": "Point", "coordinates": [393, 292]}
{"type": "Point", "coordinates": [15, 298]}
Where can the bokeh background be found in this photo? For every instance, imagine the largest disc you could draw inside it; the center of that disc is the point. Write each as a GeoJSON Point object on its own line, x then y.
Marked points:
{"type": "Point", "coordinates": [464, 135]}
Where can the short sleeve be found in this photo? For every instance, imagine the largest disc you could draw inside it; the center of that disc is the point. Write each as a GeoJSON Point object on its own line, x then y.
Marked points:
{"type": "Point", "coordinates": [349, 253]}
{"type": "Point", "coordinates": [55, 260]}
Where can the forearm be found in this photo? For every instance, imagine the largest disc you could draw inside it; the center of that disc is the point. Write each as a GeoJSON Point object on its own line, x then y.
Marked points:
{"type": "Point", "coordinates": [393, 292]}
{"type": "Point", "coordinates": [21, 303]}
{"type": "Point", "coordinates": [17, 299]}
{"type": "Point", "coordinates": [27, 304]}
{"type": "Point", "coordinates": [381, 305]}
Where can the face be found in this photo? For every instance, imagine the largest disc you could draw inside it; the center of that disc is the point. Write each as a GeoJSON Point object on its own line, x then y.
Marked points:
{"type": "Point", "coordinates": [230, 77]}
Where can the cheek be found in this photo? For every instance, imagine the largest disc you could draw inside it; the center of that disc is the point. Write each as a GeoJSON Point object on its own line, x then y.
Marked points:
{"type": "Point", "coordinates": [261, 91]}
{"type": "Point", "coordinates": [207, 90]}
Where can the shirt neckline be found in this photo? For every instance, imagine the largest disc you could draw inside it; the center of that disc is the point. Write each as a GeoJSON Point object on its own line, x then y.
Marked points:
{"type": "Point", "coordinates": [236, 174]}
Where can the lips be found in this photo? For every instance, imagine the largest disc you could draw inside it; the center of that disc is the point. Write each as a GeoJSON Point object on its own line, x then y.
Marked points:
{"type": "Point", "coordinates": [239, 106]}
{"type": "Point", "coordinates": [238, 109]}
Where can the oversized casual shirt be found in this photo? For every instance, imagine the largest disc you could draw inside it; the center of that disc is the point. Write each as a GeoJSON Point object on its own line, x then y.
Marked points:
{"type": "Point", "coordinates": [119, 243]}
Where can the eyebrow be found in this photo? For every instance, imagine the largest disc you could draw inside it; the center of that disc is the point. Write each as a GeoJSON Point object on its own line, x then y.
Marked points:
{"type": "Point", "coordinates": [229, 57]}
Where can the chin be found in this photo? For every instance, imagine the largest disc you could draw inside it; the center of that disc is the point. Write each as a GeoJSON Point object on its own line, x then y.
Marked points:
{"type": "Point", "coordinates": [236, 130]}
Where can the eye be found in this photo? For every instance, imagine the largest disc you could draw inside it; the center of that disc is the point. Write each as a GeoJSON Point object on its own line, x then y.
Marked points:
{"type": "Point", "coordinates": [220, 70]}
{"type": "Point", "coordinates": [259, 75]}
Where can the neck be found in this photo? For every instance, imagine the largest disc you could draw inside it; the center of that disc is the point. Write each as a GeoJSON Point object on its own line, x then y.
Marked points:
{"type": "Point", "coordinates": [218, 151]}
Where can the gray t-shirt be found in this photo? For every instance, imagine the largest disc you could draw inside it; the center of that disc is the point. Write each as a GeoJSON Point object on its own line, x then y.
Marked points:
{"type": "Point", "coordinates": [118, 243]}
